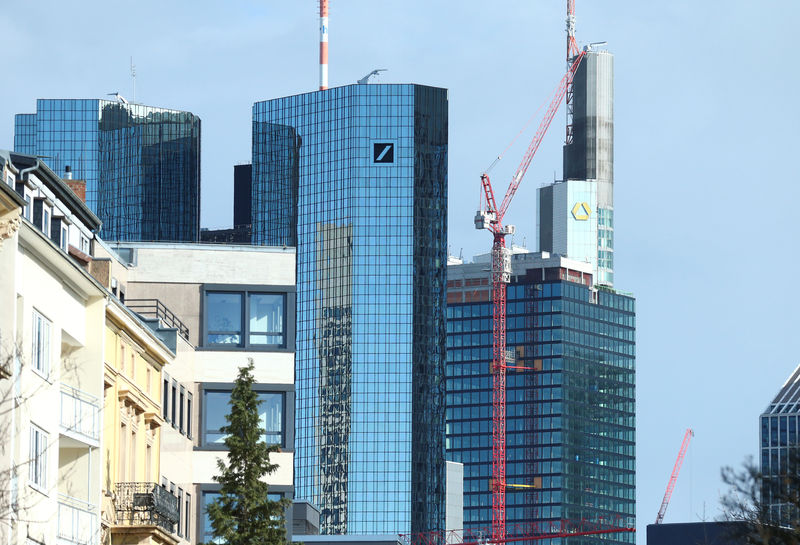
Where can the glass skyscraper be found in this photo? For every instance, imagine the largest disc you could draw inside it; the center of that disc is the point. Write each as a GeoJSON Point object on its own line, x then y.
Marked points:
{"type": "Point", "coordinates": [780, 450]}
{"type": "Point", "coordinates": [570, 419]}
{"type": "Point", "coordinates": [141, 164]}
{"type": "Point", "coordinates": [367, 168]}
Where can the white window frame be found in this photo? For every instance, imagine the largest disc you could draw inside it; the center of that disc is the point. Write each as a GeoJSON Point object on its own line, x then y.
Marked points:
{"type": "Point", "coordinates": [64, 237]}
{"type": "Point", "coordinates": [37, 474]}
{"type": "Point", "coordinates": [41, 333]}
{"type": "Point", "coordinates": [84, 245]}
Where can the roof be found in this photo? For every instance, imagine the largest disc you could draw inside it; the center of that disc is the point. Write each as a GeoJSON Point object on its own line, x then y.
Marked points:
{"type": "Point", "coordinates": [54, 182]}
{"type": "Point", "coordinates": [788, 398]}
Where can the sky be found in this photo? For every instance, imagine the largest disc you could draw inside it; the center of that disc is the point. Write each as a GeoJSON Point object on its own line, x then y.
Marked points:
{"type": "Point", "coordinates": [706, 190]}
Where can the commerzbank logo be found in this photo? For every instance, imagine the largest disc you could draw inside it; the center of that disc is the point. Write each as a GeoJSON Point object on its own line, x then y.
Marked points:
{"type": "Point", "coordinates": [581, 211]}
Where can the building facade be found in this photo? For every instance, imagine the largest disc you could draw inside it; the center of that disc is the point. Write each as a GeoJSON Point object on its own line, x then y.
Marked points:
{"type": "Point", "coordinates": [226, 305]}
{"type": "Point", "coordinates": [367, 168]}
{"type": "Point", "coordinates": [588, 161]}
{"type": "Point", "coordinates": [52, 360]}
{"type": "Point", "coordinates": [570, 416]}
{"type": "Point", "coordinates": [141, 163]}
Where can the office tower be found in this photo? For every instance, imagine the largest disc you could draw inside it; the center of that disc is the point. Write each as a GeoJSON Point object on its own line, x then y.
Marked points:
{"type": "Point", "coordinates": [588, 169]}
{"type": "Point", "coordinates": [242, 195]}
{"type": "Point", "coordinates": [368, 166]}
{"type": "Point", "coordinates": [570, 414]}
{"type": "Point", "coordinates": [141, 164]}
{"type": "Point", "coordinates": [779, 447]}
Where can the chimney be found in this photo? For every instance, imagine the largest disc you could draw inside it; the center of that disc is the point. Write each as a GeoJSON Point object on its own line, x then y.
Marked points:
{"type": "Point", "coordinates": [67, 172]}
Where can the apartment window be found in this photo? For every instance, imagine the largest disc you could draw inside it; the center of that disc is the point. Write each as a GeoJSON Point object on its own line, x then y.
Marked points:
{"type": "Point", "coordinates": [187, 508]}
{"type": "Point", "coordinates": [181, 515]}
{"type": "Point", "coordinates": [189, 415]}
{"type": "Point", "coordinates": [181, 399]}
{"type": "Point", "coordinates": [64, 238]}
{"type": "Point", "coordinates": [38, 459]}
{"type": "Point", "coordinates": [84, 245]}
{"type": "Point", "coordinates": [46, 220]}
{"type": "Point", "coordinates": [173, 402]}
{"type": "Point", "coordinates": [250, 319]}
{"type": "Point", "coordinates": [207, 532]}
{"type": "Point", "coordinates": [40, 355]}
{"type": "Point", "coordinates": [271, 413]}
{"type": "Point", "coordinates": [27, 210]}
{"type": "Point", "coordinates": [165, 398]}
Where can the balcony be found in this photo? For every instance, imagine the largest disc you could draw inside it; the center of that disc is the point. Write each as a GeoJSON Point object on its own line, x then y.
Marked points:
{"type": "Point", "coordinates": [146, 504]}
{"type": "Point", "coordinates": [80, 416]}
{"type": "Point", "coordinates": [154, 308]}
{"type": "Point", "coordinates": [77, 521]}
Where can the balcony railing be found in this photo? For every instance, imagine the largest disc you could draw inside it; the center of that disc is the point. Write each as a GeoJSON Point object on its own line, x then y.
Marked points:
{"type": "Point", "coordinates": [77, 521]}
{"type": "Point", "coordinates": [80, 414]}
{"type": "Point", "coordinates": [146, 504]}
{"type": "Point", "coordinates": [154, 308]}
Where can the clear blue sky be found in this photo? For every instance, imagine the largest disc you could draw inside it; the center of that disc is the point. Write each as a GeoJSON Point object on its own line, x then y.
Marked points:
{"type": "Point", "coordinates": [706, 184]}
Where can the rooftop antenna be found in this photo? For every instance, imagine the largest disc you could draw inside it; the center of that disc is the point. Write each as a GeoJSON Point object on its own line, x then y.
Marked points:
{"type": "Point", "coordinates": [323, 45]}
{"type": "Point", "coordinates": [133, 76]}
{"type": "Point", "coordinates": [376, 72]}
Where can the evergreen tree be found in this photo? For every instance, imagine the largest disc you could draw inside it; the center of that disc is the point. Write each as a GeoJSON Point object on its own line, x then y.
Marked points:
{"type": "Point", "coordinates": [243, 514]}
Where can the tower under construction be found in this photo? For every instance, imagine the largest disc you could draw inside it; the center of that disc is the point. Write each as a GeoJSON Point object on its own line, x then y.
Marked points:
{"type": "Point", "coordinates": [576, 215]}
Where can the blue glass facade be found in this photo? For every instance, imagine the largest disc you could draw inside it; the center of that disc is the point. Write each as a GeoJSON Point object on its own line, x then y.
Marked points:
{"type": "Point", "coordinates": [367, 165]}
{"type": "Point", "coordinates": [570, 421]}
{"type": "Point", "coordinates": [141, 164]}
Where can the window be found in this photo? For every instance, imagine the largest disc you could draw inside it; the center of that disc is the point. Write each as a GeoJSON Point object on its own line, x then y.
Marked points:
{"type": "Point", "coordinates": [209, 496]}
{"type": "Point", "coordinates": [84, 244]}
{"type": "Point", "coordinates": [216, 406]}
{"type": "Point", "coordinates": [38, 458]}
{"type": "Point", "coordinates": [181, 516]}
{"type": "Point", "coordinates": [246, 319]}
{"type": "Point", "coordinates": [173, 403]}
{"type": "Point", "coordinates": [40, 354]}
{"type": "Point", "coordinates": [46, 220]}
{"type": "Point", "coordinates": [64, 238]}
{"type": "Point", "coordinates": [165, 398]}
{"type": "Point", "coordinates": [189, 415]}
{"type": "Point", "coordinates": [187, 509]}
{"type": "Point", "coordinates": [181, 410]}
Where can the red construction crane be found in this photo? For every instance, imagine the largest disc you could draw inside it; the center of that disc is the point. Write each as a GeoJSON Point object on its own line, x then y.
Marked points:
{"type": "Point", "coordinates": [491, 217]}
{"type": "Point", "coordinates": [674, 477]}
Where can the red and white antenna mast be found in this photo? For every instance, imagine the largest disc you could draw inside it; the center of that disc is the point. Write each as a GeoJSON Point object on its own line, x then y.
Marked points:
{"type": "Point", "coordinates": [323, 45]}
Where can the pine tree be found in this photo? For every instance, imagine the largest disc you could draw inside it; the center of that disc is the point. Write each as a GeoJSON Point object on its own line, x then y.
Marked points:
{"type": "Point", "coordinates": [243, 514]}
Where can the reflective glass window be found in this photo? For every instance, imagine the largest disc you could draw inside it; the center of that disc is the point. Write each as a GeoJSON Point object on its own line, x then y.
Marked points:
{"type": "Point", "coordinates": [270, 411]}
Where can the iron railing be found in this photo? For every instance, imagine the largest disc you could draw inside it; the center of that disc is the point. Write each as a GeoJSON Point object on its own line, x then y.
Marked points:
{"type": "Point", "coordinates": [140, 504]}
{"type": "Point", "coordinates": [80, 413]}
{"type": "Point", "coordinates": [154, 308]}
{"type": "Point", "coordinates": [77, 521]}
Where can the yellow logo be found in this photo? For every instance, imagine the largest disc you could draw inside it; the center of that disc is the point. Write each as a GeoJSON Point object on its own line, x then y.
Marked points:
{"type": "Point", "coordinates": [581, 211]}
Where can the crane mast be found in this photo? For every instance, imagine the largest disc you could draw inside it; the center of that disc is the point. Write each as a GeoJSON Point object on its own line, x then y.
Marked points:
{"type": "Point", "coordinates": [674, 477]}
{"type": "Point", "coordinates": [491, 218]}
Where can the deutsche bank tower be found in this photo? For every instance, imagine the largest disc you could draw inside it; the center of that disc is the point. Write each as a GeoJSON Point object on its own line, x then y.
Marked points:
{"type": "Point", "coordinates": [359, 175]}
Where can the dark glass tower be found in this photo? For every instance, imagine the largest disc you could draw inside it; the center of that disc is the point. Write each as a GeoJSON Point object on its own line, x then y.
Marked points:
{"type": "Point", "coordinates": [570, 420]}
{"type": "Point", "coordinates": [141, 164]}
{"type": "Point", "coordinates": [780, 449]}
{"type": "Point", "coordinates": [367, 167]}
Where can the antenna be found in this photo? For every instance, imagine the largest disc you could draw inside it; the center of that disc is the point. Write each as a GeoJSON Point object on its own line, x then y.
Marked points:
{"type": "Point", "coordinates": [323, 45]}
{"type": "Point", "coordinates": [133, 76]}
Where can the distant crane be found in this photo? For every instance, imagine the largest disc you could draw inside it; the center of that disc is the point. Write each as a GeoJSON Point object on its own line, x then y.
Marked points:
{"type": "Point", "coordinates": [674, 477]}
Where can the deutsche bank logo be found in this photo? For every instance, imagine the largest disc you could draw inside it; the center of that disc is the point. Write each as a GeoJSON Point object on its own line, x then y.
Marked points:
{"type": "Point", "coordinates": [383, 153]}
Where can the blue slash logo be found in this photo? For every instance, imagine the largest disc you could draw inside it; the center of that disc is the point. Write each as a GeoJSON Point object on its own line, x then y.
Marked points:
{"type": "Point", "coordinates": [383, 152]}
